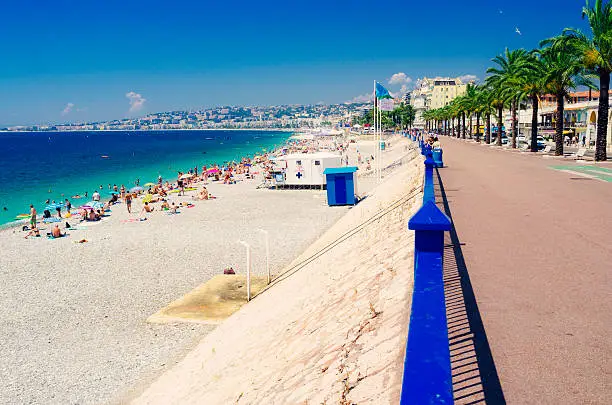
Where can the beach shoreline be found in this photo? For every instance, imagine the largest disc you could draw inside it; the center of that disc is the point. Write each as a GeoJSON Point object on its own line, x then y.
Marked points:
{"type": "Point", "coordinates": [74, 313]}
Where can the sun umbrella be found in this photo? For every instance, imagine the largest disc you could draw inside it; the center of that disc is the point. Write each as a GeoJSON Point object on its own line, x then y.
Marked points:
{"type": "Point", "coordinates": [96, 205]}
{"type": "Point", "coordinates": [186, 176]}
{"type": "Point", "coordinates": [147, 198]}
{"type": "Point", "coordinates": [149, 184]}
{"type": "Point", "coordinates": [212, 170]}
{"type": "Point", "coordinates": [136, 189]}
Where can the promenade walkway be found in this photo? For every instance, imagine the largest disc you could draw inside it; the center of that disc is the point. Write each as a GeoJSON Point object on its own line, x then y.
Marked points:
{"type": "Point", "coordinates": [537, 246]}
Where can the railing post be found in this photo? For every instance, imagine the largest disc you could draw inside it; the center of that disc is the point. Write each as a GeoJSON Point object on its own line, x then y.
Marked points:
{"type": "Point", "coordinates": [428, 187]}
{"type": "Point", "coordinates": [427, 371]}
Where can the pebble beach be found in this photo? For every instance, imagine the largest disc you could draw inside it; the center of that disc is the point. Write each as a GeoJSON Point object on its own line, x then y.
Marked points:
{"type": "Point", "coordinates": [74, 327]}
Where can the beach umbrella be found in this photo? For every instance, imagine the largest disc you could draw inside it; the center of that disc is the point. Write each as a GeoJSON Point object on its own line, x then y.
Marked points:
{"type": "Point", "coordinates": [96, 205]}
{"type": "Point", "coordinates": [147, 198]}
{"type": "Point", "coordinates": [213, 170]}
{"type": "Point", "coordinates": [149, 184]}
{"type": "Point", "coordinates": [136, 189]}
{"type": "Point", "coordinates": [186, 176]}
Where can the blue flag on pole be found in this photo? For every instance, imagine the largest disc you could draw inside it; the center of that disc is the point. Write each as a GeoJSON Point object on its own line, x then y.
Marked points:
{"type": "Point", "coordinates": [381, 92]}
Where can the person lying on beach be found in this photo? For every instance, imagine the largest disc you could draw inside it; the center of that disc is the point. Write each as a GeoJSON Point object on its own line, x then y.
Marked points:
{"type": "Point", "coordinates": [34, 231]}
{"type": "Point", "coordinates": [162, 192]}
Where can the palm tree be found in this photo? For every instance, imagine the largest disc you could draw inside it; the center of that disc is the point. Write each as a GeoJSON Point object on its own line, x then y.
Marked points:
{"type": "Point", "coordinates": [479, 107]}
{"type": "Point", "coordinates": [529, 84]}
{"type": "Point", "coordinates": [563, 71]}
{"type": "Point", "coordinates": [503, 79]}
{"type": "Point", "coordinates": [596, 53]}
{"type": "Point", "coordinates": [470, 103]}
{"type": "Point", "coordinates": [487, 98]}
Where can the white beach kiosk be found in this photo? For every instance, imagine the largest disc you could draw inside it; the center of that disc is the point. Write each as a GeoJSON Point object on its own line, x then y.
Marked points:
{"type": "Point", "coordinates": [306, 169]}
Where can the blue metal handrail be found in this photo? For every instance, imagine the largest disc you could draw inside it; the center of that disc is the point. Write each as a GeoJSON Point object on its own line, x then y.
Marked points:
{"type": "Point", "coordinates": [427, 371]}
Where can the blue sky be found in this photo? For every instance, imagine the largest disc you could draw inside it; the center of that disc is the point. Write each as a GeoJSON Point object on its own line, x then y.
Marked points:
{"type": "Point", "coordinates": [85, 60]}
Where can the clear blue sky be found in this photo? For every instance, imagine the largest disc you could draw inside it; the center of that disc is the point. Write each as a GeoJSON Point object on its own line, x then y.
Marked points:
{"type": "Point", "coordinates": [192, 54]}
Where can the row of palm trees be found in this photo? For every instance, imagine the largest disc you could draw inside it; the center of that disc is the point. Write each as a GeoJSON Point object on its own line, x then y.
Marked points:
{"type": "Point", "coordinates": [561, 64]}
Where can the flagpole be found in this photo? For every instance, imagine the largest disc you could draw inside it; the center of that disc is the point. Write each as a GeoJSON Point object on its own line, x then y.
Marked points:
{"type": "Point", "coordinates": [375, 116]}
{"type": "Point", "coordinates": [379, 146]}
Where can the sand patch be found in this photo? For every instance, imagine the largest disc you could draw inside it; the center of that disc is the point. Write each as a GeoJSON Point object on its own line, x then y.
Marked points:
{"type": "Point", "coordinates": [211, 302]}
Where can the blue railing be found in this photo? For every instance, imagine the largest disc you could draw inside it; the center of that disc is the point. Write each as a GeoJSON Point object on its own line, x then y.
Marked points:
{"type": "Point", "coordinates": [427, 370]}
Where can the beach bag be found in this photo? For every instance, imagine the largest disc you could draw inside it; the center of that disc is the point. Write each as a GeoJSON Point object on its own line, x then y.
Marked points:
{"type": "Point", "coordinates": [229, 270]}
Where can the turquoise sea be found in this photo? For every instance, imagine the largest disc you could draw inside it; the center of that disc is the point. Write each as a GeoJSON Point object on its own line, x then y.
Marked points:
{"type": "Point", "coordinates": [36, 166]}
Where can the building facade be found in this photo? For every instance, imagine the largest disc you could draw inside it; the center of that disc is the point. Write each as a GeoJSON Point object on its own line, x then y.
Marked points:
{"type": "Point", "coordinates": [433, 93]}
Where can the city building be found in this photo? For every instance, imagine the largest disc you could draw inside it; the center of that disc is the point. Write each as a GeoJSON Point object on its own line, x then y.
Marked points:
{"type": "Point", "coordinates": [433, 93]}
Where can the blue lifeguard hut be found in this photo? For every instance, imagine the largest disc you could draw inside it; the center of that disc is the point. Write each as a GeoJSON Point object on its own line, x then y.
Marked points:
{"type": "Point", "coordinates": [340, 185]}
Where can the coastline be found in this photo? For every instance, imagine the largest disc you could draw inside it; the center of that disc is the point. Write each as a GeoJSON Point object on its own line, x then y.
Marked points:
{"type": "Point", "coordinates": [82, 169]}
{"type": "Point", "coordinates": [75, 329]}
{"type": "Point", "coordinates": [158, 130]}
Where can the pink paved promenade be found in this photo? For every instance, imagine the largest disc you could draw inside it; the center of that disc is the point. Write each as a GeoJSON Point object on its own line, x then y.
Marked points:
{"type": "Point", "coordinates": [537, 245]}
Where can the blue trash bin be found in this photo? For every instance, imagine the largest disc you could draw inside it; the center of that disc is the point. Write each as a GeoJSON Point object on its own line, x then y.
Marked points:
{"type": "Point", "coordinates": [437, 157]}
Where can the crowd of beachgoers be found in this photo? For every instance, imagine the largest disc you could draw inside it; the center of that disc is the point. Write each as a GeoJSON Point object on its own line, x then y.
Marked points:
{"type": "Point", "coordinates": [156, 196]}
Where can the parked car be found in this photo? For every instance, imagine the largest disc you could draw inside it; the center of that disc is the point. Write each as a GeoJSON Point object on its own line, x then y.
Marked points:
{"type": "Point", "coordinates": [504, 139]}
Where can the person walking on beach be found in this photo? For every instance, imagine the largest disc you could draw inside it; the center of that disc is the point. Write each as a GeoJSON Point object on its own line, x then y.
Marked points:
{"type": "Point", "coordinates": [68, 205]}
{"type": "Point", "coordinates": [32, 216]}
{"type": "Point", "coordinates": [128, 203]}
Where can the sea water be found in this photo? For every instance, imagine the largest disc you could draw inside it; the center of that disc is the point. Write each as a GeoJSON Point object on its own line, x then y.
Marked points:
{"type": "Point", "coordinates": [36, 166]}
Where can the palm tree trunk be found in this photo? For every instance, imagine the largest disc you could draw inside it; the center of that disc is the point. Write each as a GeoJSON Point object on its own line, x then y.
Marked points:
{"type": "Point", "coordinates": [452, 126]}
{"type": "Point", "coordinates": [534, 123]}
{"type": "Point", "coordinates": [488, 134]}
{"type": "Point", "coordinates": [471, 126]}
{"type": "Point", "coordinates": [514, 124]}
{"type": "Point", "coordinates": [477, 127]}
{"type": "Point", "coordinates": [602, 117]}
{"type": "Point", "coordinates": [500, 110]}
{"type": "Point", "coordinates": [559, 126]}
{"type": "Point", "coordinates": [463, 125]}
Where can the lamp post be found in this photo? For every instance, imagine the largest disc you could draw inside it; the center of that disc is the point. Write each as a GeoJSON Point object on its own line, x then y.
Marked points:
{"type": "Point", "coordinates": [248, 268]}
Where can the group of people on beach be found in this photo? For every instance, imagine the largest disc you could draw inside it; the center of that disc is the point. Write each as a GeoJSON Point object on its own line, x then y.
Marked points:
{"type": "Point", "coordinates": [189, 181]}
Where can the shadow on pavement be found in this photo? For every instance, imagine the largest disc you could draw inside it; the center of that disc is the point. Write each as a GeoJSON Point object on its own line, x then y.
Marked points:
{"type": "Point", "coordinates": [475, 378]}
